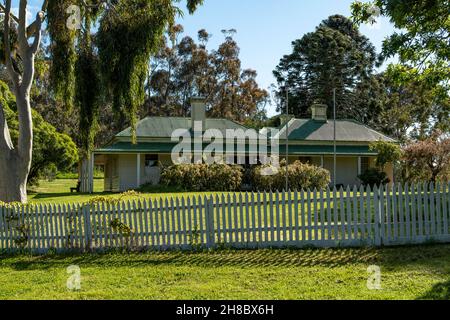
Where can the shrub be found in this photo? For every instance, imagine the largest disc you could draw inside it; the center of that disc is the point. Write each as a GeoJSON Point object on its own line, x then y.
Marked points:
{"type": "Point", "coordinates": [301, 176]}
{"type": "Point", "coordinates": [203, 177]}
{"type": "Point", "coordinates": [373, 177]}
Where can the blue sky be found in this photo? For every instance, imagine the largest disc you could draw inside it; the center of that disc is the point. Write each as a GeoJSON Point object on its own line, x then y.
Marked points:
{"type": "Point", "coordinates": [265, 28]}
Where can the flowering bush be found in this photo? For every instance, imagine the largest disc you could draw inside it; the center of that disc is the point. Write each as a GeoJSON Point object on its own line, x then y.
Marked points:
{"type": "Point", "coordinates": [301, 176]}
{"type": "Point", "coordinates": [203, 177]}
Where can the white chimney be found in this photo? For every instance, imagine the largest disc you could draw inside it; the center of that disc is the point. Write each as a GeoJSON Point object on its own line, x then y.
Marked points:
{"type": "Point", "coordinates": [319, 112]}
{"type": "Point", "coordinates": [198, 111]}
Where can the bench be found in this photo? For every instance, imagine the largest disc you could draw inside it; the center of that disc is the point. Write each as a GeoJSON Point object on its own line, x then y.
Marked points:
{"type": "Point", "coordinates": [77, 189]}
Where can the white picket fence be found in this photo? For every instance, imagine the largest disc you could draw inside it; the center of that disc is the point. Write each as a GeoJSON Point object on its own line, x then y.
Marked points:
{"type": "Point", "coordinates": [326, 218]}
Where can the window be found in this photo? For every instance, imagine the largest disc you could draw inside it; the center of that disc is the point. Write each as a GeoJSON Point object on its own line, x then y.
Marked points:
{"type": "Point", "coordinates": [151, 160]}
{"type": "Point", "coordinates": [364, 164]}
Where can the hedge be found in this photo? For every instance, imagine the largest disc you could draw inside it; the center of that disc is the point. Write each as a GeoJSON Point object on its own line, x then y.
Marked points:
{"type": "Point", "coordinates": [203, 177]}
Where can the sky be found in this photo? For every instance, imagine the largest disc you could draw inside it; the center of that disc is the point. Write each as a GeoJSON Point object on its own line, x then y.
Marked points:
{"type": "Point", "coordinates": [265, 28]}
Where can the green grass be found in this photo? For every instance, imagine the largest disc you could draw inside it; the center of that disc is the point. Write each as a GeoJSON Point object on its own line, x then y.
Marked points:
{"type": "Point", "coordinates": [407, 273]}
{"type": "Point", "coordinates": [58, 191]}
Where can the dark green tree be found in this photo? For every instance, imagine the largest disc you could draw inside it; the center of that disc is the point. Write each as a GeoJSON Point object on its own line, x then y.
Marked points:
{"type": "Point", "coordinates": [336, 55]}
{"type": "Point", "coordinates": [51, 149]}
{"type": "Point", "coordinates": [424, 36]}
{"type": "Point", "coordinates": [412, 107]}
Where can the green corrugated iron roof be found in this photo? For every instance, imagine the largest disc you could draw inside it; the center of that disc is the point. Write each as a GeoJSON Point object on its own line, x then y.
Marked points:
{"type": "Point", "coordinates": [346, 131]}
{"type": "Point", "coordinates": [326, 150]}
{"type": "Point", "coordinates": [158, 147]}
{"type": "Point", "coordinates": [146, 147]}
{"type": "Point", "coordinates": [318, 134]}
{"type": "Point", "coordinates": [163, 127]}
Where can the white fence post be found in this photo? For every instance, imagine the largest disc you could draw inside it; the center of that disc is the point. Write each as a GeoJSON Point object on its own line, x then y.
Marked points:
{"type": "Point", "coordinates": [87, 227]}
{"type": "Point", "coordinates": [210, 231]}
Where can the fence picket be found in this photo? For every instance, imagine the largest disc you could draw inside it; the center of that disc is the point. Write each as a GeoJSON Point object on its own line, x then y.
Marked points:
{"type": "Point", "coordinates": [368, 210]}
{"type": "Point", "coordinates": [407, 213]}
{"type": "Point", "coordinates": [309, 214]}
{"type": "Point", "coordinates": [303, 215]}
{"type": "Point", "coordinates": [260, 222]}
{"type": "Point", "coordinates": [322, 217]}
{"type": "Point", "coordinates": [235, 217]}
{"type": "Point", "coordinates": [247, 219]}
{"type": "Point", "coordinates": [316, 216]}
{"type": "Point", "coordinates": [445, 207]}
{"type": "Point", "coordinates": [438, 209]}
{"type": "Point", "coordinates": [426, 204]}
{"type": "Point", "coordinates": [342, 214]}
{"type": "Point", "coordinates": [228, 218]}
{"type": "Point", "coordinates": [420, 210]}
{"type": "Point", "coordinates": [277, 216]}
{"type": "Point", "coordinates": [432, 210]}
{"type": "Point", "coordinates": [283, 216]}
{"type": "Point", "coordinates": [382, 213]}
{"type": "Point", "coordinates": [349, 215]}
{"type": "Point", "coordinates": [389, 215]}
{"type": "Point", "coordinates": [329, 222]}
{"type": "Point", "coordinates": [296, 213]}
{"type": "Point", "coordinates": [266, 219]}
{"type": "Point", "coordinates": [241, 219]}
{"type": "Point", "coordinates": [272, 223]}
{"type": "Point", "coordinates": [413, 212]}
{"type": "Point", "coordinates": [173, 220]}
{"type": "Point", "coordinates": [395, 212]}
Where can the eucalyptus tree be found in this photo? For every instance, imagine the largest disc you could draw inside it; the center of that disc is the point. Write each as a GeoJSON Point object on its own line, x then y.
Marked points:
{"type": "Point", "coordinates": [96, 46]}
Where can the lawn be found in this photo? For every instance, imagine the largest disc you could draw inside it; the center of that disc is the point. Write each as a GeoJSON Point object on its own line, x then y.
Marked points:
{"type": "Point", "coordinates": [58, 191]}
{"type": "Point", "coordinates": [407, 273]}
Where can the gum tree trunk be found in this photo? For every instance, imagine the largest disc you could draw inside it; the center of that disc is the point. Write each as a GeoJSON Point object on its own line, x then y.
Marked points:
{"type": "Point", "coordinates": [15, 161]}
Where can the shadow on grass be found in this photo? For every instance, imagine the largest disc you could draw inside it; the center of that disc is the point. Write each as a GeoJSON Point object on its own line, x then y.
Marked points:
{"type": "Point", "coordinates": [332, 258]}
{"type": "Point", "coordinates": [440, 291]}
{"type": "Point", "coordinates": [55, 196]}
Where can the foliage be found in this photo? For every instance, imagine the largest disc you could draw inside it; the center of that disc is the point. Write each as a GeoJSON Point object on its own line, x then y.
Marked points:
{"type": "Point", "coordinates": [62, 71]}
{"type": "Point", "coordinates": [429, 159]}
{"type": "Point", "coordinates": [412, 106]}
{"type": "Point", "coordinates": [87, 95]}
{"type": "Point", "coordinates": [111, 51]}
{"type": "Point", "coordinates": [50, 148]}
{"type": "Point", "coordinates": [301, 176]}
{"type": "Point", "coordinates": [423, 41]}
{"type": "Point", "coordinates": [374, 177]}
{"type": "Point", "coordinates": [203, 177]}
{"type": "Point", "coordinates": [121, 227]}
{"type": "Point", "coordinates": [183, 68]}
{"type": "Point", "coordinates": [105, 199]}
{"type": "Point", "coordinates": [335, 55]}
{"type": "Point", "coordinates": [387, 152]}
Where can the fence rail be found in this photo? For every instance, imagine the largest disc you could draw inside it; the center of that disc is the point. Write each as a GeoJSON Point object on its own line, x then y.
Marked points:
{"type": "Point", "coordinates": [408, 214]}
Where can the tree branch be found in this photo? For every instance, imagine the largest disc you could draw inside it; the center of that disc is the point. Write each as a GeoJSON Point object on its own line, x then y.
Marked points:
{"type": "Point", "coordinates": [15, 77]}
{"type": "Point", "coordinates": [5, 137]}
{"type": "Point", "coordinates": [22, 31]}
{"type": "Point", "coordinates": [37, 33]}
{"type": "Point", "coordinates": [31, 29]}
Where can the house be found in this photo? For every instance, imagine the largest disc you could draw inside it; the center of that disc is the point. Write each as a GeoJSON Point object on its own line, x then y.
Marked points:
{"type": "Point", "coordinates": [128, 166]}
